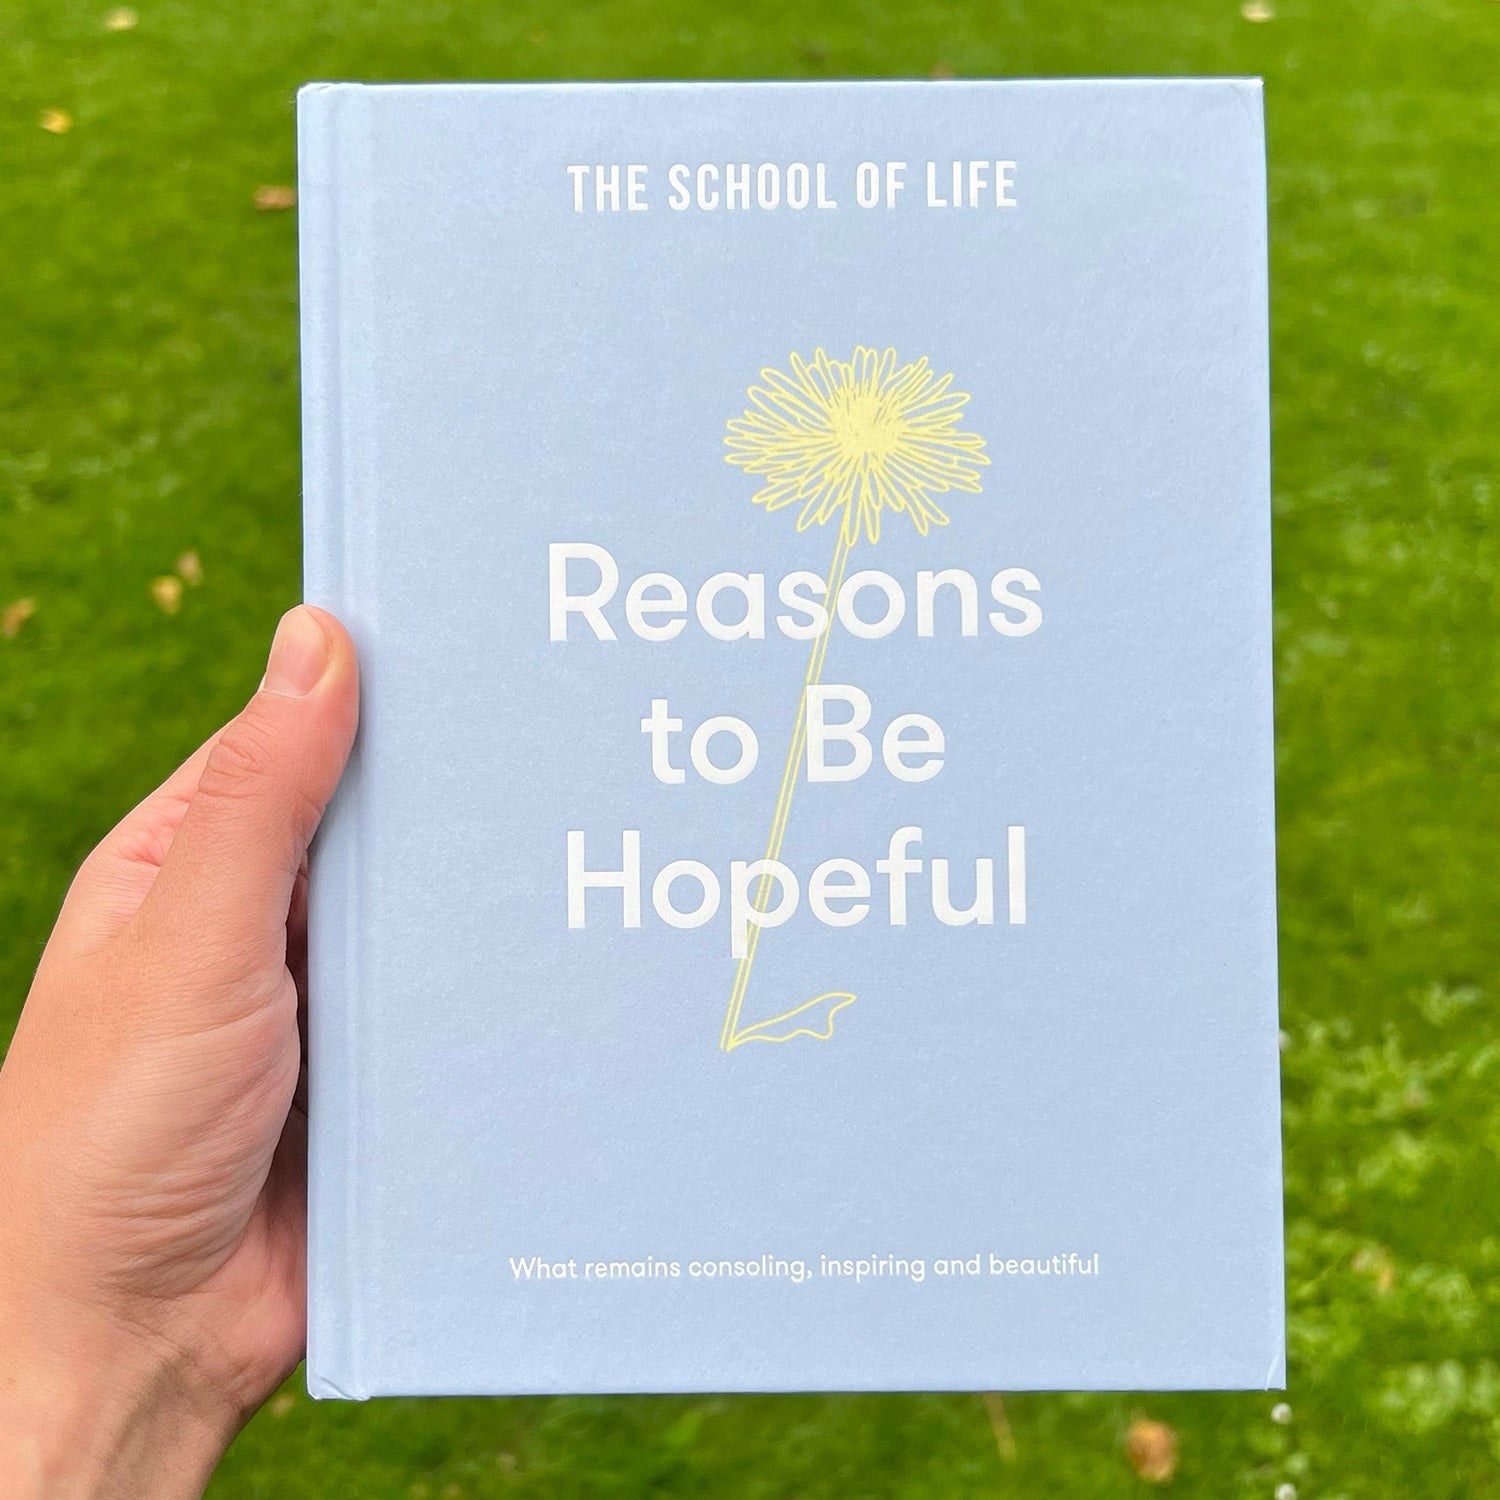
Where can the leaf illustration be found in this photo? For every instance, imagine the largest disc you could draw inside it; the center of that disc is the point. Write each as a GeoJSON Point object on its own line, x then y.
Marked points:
{"type": "Point", "coordinates": [814, 1018]}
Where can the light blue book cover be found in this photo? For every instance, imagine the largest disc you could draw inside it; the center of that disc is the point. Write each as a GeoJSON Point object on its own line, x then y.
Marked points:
{"type": "Point", "coordinates": [801, 914]}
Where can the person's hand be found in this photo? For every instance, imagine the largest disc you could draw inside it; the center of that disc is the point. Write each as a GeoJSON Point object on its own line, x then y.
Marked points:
{"type": "Point", "coordinates": [152, 1117]}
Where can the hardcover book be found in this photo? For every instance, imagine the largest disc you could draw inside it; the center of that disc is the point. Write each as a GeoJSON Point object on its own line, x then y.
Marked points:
{"type": "Point", "coordinates": [801, 912]}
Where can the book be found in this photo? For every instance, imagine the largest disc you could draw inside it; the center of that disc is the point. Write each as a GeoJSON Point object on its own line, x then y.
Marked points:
{"type": "Point", "coordinates": [801, 911]}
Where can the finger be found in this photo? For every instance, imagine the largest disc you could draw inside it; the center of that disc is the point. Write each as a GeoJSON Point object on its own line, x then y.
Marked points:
{"type": "Point", "coordinates": [225, 886]}
{"type": "Point", "coordinates": [112, 882]}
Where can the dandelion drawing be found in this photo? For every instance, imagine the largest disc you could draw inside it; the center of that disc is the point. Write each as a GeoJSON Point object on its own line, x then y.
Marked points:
{"type": "Point", "coordinates": [851, 442]}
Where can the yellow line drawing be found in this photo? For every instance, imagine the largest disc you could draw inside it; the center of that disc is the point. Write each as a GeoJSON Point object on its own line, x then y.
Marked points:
{"type": "Point", "coordinates": [777, 1029]}
{"type": "Point", "coordinates": [848, 439]}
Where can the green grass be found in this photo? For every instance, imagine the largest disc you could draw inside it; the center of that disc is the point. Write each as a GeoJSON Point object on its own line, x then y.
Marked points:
{"type": "Point", "coordinates": [148, 406]}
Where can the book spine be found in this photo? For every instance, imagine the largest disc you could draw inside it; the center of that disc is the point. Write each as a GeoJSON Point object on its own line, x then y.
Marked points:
{"type": "Point", "coordinates": [332, 148]}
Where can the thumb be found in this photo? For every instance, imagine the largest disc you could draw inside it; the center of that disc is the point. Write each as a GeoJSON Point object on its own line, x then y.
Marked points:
{"type": "Point", "coordinates": [226, 882]}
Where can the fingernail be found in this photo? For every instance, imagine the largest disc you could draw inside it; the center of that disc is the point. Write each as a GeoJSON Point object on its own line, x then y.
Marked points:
{"type": "Point", "coordinates": [299, 654]}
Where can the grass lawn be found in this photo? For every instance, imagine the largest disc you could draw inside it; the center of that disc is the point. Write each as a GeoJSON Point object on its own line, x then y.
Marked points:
{"type": "Point", "coordinates": [148, 408]}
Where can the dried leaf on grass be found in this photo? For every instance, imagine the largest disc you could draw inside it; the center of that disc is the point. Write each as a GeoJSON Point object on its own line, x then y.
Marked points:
{"type": "Point", "coordinates": [1151, 1448]}
{"type": "Point", "coordinates": [14, 616]}
{"type": "Point", "coordinates": [167, 592]}
{"type": "Point", "coordinates": [1005, 1438]}
{"type": "Point", "coordinates": [272, 198]}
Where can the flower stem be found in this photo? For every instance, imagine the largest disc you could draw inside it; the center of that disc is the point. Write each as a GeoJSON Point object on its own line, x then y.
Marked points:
{"type": "Point", "coordinates": [730, 1033]}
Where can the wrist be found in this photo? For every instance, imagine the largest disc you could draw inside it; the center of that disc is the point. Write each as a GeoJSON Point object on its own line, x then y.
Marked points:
{"type": "Point", "coordinates": [89, 1409]}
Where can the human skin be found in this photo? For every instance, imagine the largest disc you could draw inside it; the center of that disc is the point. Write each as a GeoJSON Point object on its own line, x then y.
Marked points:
{"type": "Point", "coordinates": [152, 1110]}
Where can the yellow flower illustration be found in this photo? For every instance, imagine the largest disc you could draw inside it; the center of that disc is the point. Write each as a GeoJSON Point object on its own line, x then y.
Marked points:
{"type": "Point", "coordinates": [850, 439]}
{"type": "Point", "coordinates": [855, 438]}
